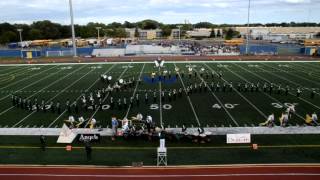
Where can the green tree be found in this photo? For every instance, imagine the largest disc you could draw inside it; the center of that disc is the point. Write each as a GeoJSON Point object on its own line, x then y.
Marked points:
{"type": "Point", "coordinates": [116, 33]}
{"type": "Point", "coordinates": [203, 25]}
{"type": "Point", "coordinates": [8, 36]}
{"type": "Point", "coordinates": [148, 24]}
{"type": "Point", "coordinates": [166, 30]}
{"type": "Point", "coordinates": [48, 29]}
{"type": "Point", "coordinates": [213, 34]}
{"type": "Point", "coordinates": [34, 34]}
{"type": "Point", "coordinates": [114, 25]}
{"type": "Point", "coordinates": [136, 33]}
{"type": "Point", "coordinates": [218, 34]}
{"type": "Point", "coordinates": [230, 33]}
{"type": "Point", "coordinates": [127, 24]}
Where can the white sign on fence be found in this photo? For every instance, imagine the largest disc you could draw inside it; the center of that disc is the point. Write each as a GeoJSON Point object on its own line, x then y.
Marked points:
{"type": "Point", "coordinates": [238, 138]}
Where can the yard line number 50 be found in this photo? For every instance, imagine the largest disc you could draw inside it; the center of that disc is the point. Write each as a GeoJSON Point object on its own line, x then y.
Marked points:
{"type": "Point", "coordinates": [156, 106]}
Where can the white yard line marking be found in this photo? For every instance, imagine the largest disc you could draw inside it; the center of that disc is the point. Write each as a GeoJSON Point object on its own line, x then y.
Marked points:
{"type": "Point", "coordinates": [303, 71]}
{"type": "Point", "coordinates": [151, 62]}
{"type": "Point", "coordinates": [302, 99]}
{"type": "Point", "coordinates": [243, 97]}
{"type": "Point", "coordinates": [104, 99]}
{"type": "Point", "coordinates": [10, 69]}
{"type": "Point", "coordinates": [160, 102]}
{"type": "Point", "coordinates": [54, 97]}
{"type": "Point", "coordinates": [219, 101]}
{"type": "Point", "coordinates": [27, 78]}
{"type": "Point", "coordinates": [53, 122]}
{"type": "Point", "coordinates": [274, 99]}
{"type": "Point", "coordinates": [190, 102]}
{"type": "Point", "coordinates": [293, 75]}
{"type": "Point", "coordinates": [16, 71]}
{"type": "Point", "coordinates": [37, 92]}
{"type": "Point", "coordinates": [135, 90]}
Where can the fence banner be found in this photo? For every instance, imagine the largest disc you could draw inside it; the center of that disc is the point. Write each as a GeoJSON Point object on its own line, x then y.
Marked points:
{"type": "Point", "coordinates": [238, 138]}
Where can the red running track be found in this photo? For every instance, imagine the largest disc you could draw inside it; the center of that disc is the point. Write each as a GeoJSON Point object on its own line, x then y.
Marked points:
{"type": "Point", "coordinates": [241, 172]}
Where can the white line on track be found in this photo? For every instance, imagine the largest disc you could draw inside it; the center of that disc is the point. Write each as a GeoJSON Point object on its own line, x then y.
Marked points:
{"type": "Point", "coordinates": [52, 123]}
{"type": "Point", "coordinates": [160, 175]}
{"type": "Point", "coordinates": [190, 102]}
{"type": "Point", "coordinates": [219, 101]}
{"type": "Point", "coordinates": [53, 97]}
{"type": "Point", "coordinates": [243, 97]}
{"type": "Point", "coordinates": [241, 77]}
{"type": "Point", "coordinates": [135, 90]}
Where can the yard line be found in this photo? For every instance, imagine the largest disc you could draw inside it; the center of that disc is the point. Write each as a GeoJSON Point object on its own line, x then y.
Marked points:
{"type": "Point", "coordinates": [9, 69]}
{"type": "Point", "coordinates": [308, 68]}
{"type": "Point", "coordinates": [14, 71]}
{"type": "Point", "coordinates": [190, 102]}
{"type": "Point", "coordinates": [46, 77]}
{"type": "Point", "coordinates": [241, 77]}
{"type": "Point", "coordinates": [37, 92]}
{"type": "Point", "coordinates": [105, 98]}
{"type": "Point", "coordinates": [248, 101]}
{"type": "Point", "coordinates": [16, 74]}
{"type": "Point", "coordinates": [135, 89]}
{"type": "Point", "coordinates": [27, 78]}
{"type": "Point", "coordinates": [293, 94]}
{"type": "Point", "coordinates": [160, 102]}
{"type": "Point", "coordinates": [293, 75]}
{"type": "Point", "coordinates": [53, 97]}
{"type": "Point", "coordinates": [52, 123]}
{"type": "Point", "coordinates": [221, 104]}
{"type": "Point", "coordinates": [315, 68]}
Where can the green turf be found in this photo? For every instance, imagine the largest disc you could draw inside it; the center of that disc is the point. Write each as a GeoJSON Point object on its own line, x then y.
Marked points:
{"type": "Point", "coordinates": [272, 149]}
{"type": "Point", "coordinates": [62, 82]}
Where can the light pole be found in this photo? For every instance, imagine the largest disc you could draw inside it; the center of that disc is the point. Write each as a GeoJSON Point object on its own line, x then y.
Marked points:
{"type": "Point", "coordinates": [248, 30]}
{"type": "Point", "coordinates": [20, 34]}
{"type": "Point", "coordinates": [98, 29]}
{"type": "Point", "coordinates": [179, 33]}
{"type": "Point", "coordinates": [72, 29]}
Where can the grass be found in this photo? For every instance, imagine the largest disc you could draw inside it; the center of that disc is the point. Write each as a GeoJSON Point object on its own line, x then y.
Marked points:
{"type": "Point", "coordinates": [297, 149]}
{"type": "Point", "coordinates": [59, 82]}
{"type": "Point", "coordinates": [62, 82]}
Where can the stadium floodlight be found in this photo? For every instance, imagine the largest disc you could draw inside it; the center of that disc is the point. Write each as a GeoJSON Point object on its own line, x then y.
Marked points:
{"type": "Point", "coordinates": [98, 29]}
{"type": "Point", "coordinates": [72, 29]}
{"type": "Point", "coordinates": [20, 34]}
{"type": "Point", "coordinates": [179, 32]}
{"type": "Point", "coordinates": [248, 30]}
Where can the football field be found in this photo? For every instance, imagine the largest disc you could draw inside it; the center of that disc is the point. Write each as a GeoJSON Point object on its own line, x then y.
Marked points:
{"type": "Point", "coordinates": [212, 100]}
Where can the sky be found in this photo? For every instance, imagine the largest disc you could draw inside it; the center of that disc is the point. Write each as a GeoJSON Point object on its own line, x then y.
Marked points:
{"type": "Point", "coordinates": [165, 11]}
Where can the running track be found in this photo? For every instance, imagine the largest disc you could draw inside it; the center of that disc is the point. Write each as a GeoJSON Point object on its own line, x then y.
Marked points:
{"type": "Point", "coordinates": [241, 172]}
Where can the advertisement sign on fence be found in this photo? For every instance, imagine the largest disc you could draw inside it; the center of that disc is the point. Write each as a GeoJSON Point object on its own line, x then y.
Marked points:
{"type": "Point", "coordinates": [238, 138]}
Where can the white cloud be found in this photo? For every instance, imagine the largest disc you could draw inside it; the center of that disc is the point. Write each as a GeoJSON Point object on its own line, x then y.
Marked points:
{"type": "Point", "coordinates": [168, 11]}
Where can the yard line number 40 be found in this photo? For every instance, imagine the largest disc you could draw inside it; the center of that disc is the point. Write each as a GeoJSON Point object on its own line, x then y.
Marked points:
{"type": "Point", "coordinates": [228, 106]}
